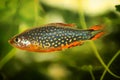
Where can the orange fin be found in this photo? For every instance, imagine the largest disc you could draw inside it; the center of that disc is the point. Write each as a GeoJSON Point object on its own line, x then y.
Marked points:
{"type": "Point", "coordinates": [52, 49]}
{"type": "Point", "coordinates": [100, 29]}
{"type": "Point", "coordinates": [96, 27]}
{"type": "Point", "coordinates": [98, 35]}
{"type": "Point", "coordinates": [77, 43]}
{"type": "Point", "coordinates": [61, 25]}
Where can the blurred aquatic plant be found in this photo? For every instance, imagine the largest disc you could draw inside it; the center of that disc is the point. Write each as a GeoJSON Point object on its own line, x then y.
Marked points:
{"type": "Point", "coordinates": [84, 26]}
{"type": "Point", "coordinates": [33, 13]}
{"type": "Point", "coordinates": [118, 7]}
{"type": "Point", "coordinates": [89, 68]}
{"type": "Point", "coordinates": [109, 63]}
{"type": "Point", "coordinates": [7, 57]}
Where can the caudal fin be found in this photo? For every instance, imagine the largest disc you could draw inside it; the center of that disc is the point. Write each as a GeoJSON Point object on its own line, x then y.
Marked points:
{"type": "Point", "coordinates": [97, 32]}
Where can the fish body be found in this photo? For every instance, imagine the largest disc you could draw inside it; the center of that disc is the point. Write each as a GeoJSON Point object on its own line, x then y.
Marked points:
{"type": "Point", "coordinates": [54, 37]}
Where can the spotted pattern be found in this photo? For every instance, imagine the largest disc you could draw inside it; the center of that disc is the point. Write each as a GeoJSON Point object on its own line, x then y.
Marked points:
{"type": "Point", "coordinates": [52, 36]}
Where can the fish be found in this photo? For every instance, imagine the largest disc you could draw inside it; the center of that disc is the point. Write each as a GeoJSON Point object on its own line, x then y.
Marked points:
{"type": "Point", "coordinates": [54, 37]}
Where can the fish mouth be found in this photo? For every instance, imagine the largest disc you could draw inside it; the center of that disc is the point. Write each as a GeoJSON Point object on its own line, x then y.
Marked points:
{"type": "Point", "coordinates": [11, 41]}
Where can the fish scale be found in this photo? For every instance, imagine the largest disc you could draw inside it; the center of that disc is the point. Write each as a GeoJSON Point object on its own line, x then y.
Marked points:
{"type": "Point", "coordinates": [54, 33]}
{"type": "Point", "coordinates": [55, 36]}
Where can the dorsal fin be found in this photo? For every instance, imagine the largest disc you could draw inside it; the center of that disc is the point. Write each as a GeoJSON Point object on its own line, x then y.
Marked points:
{"type": "Point", "coordinates": [61, 25]}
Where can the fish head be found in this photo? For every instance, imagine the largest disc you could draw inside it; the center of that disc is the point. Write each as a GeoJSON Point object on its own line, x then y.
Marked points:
{"type": "Point", "coordinates": [20, 41]}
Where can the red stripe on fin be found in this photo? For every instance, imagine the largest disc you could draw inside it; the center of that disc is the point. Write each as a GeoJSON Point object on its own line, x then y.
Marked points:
{"type": "Point", "coordinates": [98, 35]}
{"type": "Point", "coordinates": [61, 25]}
{"type": "Point", "coordinates": [96, 27]}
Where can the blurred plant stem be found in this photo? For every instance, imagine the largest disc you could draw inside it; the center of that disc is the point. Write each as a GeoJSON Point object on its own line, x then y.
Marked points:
{"type": "Point", "coordinates": [110, 62]}
{"type": "Point", "coordinates": [37, 8]}
{"type": "Point", "coordinates": [84, 26]}
{"type": "Point", "coordinates": [88, 68]}
{"type": "Point", "coordinates": [7, 57]}
{"type": "Point", "coordinates": [91, 73]}
{"type": "Point", "coordinates": [36, 4]}
{"type": "Point", "coordinates": [101, 61]}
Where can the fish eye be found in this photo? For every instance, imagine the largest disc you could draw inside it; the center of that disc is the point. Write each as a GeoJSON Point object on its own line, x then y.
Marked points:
{"type": "Point", "coordinates": [17, 39]}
